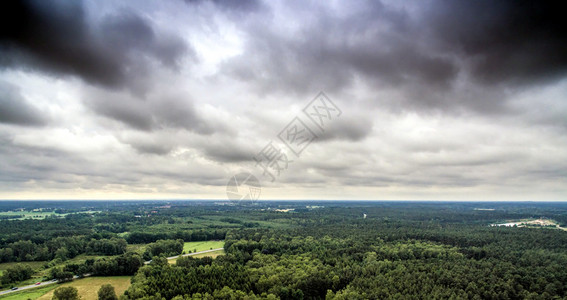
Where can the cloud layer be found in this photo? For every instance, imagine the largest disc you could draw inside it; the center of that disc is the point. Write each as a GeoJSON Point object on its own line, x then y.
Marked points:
{"type": "Point", "coordinates": [440, 99]}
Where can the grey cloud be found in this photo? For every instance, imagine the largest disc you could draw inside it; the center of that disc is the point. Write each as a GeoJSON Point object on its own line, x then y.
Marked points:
{"type": "Point", "coordinates": [179, 113]}
{"type": "Point", "coordinates": [150, 146]}
{"type": "Point", "coordinates": [236, 6]}
{"type": "Point", "coordinates": [14, 109]}
{"type": "Point", "coordinates": [55, 37]}
{"type": "Point", "coordinates": [130, 112]}
{"type": "Point", "coordinates": [21, 163]}
{"type": "Point", "coordinates": [229, 151]}
{"type": "Point", "coordinates": [347, 128]}
{"type": "Point", "coordinates": [34, 168]}
{"type": "Point", "coordinates": [153, 113]}
{"type": "Point", "coordinates": [219, 147]}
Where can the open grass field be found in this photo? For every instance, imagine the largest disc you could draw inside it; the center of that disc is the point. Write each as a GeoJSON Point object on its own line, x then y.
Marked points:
{"type": "Point", "coordinates": [201, 246]}
{"type": "Point", "coordinates": [88, 287]}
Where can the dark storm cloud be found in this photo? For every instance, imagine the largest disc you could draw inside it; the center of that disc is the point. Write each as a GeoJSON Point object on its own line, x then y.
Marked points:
{"type": "Point", "coordinates": [328, 52]}
{"type": "Point", "coordinates": [503, 41]}
{"type": "Point", "coordinates": [421, 51]}
{"type": "Point", "coordinates": [128, 32]}
{"type": "Point", "coordinates": [55, 37]}
{"type": "Point", "coordinates": [14, 109]}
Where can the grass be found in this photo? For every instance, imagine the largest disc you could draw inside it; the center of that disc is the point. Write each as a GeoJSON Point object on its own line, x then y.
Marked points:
{"type": "Point", "coordinates": [138, 248]}
{"type": "Point", "coordinates": [88, 287]}
{"type": "Point", "coordinates": [202, 246]}
{"type": "Point", "coordinates": [30, 294]}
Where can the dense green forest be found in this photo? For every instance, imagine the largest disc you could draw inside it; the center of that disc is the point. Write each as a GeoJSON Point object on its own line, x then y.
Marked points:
{"type": "Point", "coordinates": [300, 250]}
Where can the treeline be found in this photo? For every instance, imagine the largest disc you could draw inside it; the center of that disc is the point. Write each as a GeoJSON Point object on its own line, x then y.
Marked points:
{"type": "Point", "coordinates": [125, 264]}
{"type": "Point", "coordinates": [240, 222]}
{"type": "Point", "coordinates": [187, 236]}
{"type": "Point", "coordinates": [113, 246]}
{"type": "Point", "coordinates": [62, 248]}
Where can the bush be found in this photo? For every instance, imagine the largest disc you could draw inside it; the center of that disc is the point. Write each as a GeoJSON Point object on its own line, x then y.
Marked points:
{"type": "Point", "coordinates": [66, 293]}
{"type": "Point", "coordinates": [106, 292]}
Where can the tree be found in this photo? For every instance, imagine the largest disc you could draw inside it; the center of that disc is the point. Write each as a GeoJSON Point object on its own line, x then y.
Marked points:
{"type": "Point", "coordinates": [16, 273]}
{"type": "Point", "coordinates": [106, 292]}
{"type": "Point", "coordinates": [66, 293]}
{"type": "Point", "coordinates": [61, 275]}
{"type": "Point", "coordinates": [126, 264]}
{"type": "Point", "coordinates": [159, 261]}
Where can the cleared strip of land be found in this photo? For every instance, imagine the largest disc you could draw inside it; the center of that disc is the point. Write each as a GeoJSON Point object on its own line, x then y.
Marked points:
{"type": "Point", "coordinates": [189, 254]}
{"type": "Point", "coordinates": [532, 223]}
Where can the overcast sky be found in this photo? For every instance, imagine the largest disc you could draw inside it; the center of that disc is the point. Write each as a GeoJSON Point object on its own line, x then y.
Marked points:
{"type": "Point", "coordinates": [440, 100]}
